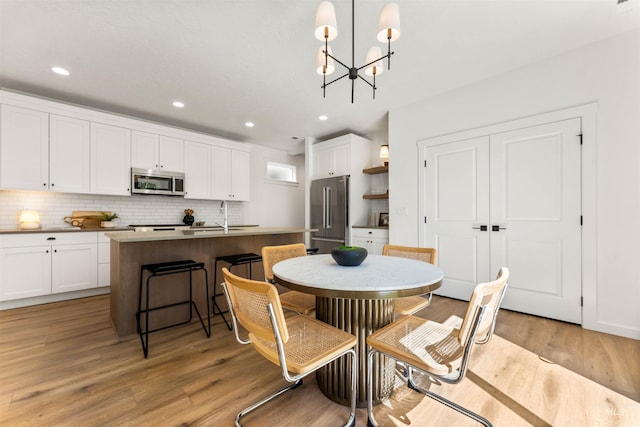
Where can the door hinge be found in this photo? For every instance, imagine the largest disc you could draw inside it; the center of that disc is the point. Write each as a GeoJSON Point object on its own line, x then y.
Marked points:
{"type": "Point", "coordinates": [581, 301]}
{"type": "Point", "coordinates": [580, 138]}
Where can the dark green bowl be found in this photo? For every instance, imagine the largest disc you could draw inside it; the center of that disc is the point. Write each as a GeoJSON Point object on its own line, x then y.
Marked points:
{"type": "Point", "coordinates": [349, 256]}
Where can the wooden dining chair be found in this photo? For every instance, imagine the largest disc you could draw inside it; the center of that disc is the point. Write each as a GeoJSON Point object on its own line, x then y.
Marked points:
{"type": "Point", "coordinates": [299, 344]}
{"type": "Point", "coordinates": [411, 305]}
{"type": "Point", "coordinates": [292, 300]}
{"type": "Point", "coordinates": [439, 351]}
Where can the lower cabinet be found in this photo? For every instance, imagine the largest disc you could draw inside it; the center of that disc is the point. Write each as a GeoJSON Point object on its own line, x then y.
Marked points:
{"type": "Point", "coordinates": [38, 264]}
{"type": "Point", "coordinates": [372, 239]}
{"type": "Point", "coordinates": [104, 260]}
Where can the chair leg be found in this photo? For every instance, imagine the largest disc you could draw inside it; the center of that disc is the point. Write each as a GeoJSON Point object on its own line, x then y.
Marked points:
{"type": "Point", "coordinates": [265, 400]}
{"type": "Point", "coordinates": [371, 421]}
{"type": "Point", "coordinates": [351, 422]}
{"type": "Point", "coordinates": [450, 404]}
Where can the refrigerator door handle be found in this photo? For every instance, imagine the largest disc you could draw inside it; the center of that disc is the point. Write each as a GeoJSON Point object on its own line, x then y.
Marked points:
{"type": "Point", "coordinates": [329, 209]}
{"type": "Point", "coordinates": [324, 207]}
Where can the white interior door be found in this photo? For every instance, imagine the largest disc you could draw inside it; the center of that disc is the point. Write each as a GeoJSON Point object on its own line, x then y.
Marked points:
{"type": "Point", "coordinates": [456, 206]}
{"type": "Point", "coordinates": [535, 202]}
{"type": "Point", "coordinates": [524, 186]}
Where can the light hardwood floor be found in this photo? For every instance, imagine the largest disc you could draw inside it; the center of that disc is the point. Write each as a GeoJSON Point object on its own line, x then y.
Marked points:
{"type": "Point", "coordinates": [61, 364]}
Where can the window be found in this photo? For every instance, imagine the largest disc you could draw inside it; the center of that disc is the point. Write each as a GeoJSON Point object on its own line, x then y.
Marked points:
{"type": "Point", "coordinates": [281, 172]}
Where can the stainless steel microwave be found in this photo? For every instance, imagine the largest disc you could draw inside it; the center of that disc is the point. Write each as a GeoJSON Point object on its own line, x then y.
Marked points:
{"type": "Point", "coordinates": [149, 181]}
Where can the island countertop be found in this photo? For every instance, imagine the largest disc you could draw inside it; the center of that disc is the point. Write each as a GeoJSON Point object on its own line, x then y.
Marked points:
{"type": "Point", "coordinates": [201, 233]}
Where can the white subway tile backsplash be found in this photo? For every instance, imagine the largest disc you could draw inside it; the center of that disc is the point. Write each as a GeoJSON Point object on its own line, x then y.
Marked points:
{"type": "Point", "coordinates": [53, 207]}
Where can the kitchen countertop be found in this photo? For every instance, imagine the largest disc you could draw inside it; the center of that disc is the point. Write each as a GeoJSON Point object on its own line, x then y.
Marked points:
{"type": "Point", "coordinates": [200, 233]}
{"type": "Point", "coordinates": [61, 230]}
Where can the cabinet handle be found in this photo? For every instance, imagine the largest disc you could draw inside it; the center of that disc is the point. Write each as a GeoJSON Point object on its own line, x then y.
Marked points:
{"type": "Point", "coordinates": [44, 183]}
{"type": "Point", "coordinates": [481, 228]}
{"type": "Point", "coordinates": [497, 228]}
{"type": "Point", "coordinates": [55, 251]}
{"type": "Point", "coordinates": [52, 185]}
{"type": "Point", "coordinates": [51, 238]}
{"type": "Point", "coordinates": [47, 251]}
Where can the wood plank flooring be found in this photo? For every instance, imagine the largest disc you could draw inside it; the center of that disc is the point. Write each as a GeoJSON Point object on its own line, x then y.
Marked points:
{"type": "Point", "coordinates": [61, 365]}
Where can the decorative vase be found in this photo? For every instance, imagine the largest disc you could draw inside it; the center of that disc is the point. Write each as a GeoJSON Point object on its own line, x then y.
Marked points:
{"type": "Point", "coordinates": [188, 219]}
{"type": "Point", "coordinates": [107, 224]}
{"type": "Point", "coordinates": [349, 256]}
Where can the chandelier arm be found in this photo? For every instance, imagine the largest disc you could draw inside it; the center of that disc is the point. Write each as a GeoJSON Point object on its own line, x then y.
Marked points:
{"type": "Point", "coordinates": [336, 59]}
{"type": "Point", "coordinates": [374, 61]}
{"type": "Point", "coordinates": [335, 80]}
{"type": "Point", "coordinates": [389, 53]}
{"type": "Point", "coordinates": [367, 81]}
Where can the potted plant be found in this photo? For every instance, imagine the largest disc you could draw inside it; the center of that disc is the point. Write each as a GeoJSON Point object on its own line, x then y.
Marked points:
{"type": "Point", "coordinates": [108, 219]}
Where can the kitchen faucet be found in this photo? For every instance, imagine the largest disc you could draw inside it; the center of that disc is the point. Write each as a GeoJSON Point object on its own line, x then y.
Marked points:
{"type": "Point", "coordinates": [223, 210]}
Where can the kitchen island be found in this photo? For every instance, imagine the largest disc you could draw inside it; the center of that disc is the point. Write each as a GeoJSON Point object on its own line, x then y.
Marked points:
{"type": "Point", "coordinates": [130, 250]}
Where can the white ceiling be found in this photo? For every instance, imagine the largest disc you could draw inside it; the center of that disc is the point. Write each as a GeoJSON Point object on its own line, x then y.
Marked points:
{"type": "Point", "coordinates": [232, 61]}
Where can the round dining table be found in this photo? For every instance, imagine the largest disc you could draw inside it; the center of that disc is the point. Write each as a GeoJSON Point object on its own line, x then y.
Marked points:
{"type": "Point", "coordinates": [359, 300]}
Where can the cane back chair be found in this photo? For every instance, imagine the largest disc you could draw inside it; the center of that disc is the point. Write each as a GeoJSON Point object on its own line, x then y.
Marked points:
{"type": "Point", "coordinates": [411, 305]}
{"type": "Point", "coordinates": [292, 300]}
{"type": "Point", "coordinates": [299, 344]}
{"type": "Point", "coordinates": [441, 352]}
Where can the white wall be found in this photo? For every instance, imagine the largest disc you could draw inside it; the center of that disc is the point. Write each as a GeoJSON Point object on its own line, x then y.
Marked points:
{"type": "Point", "coordinates": [275, 204]}
{"type": "Point", "coordinates": [607, 73]}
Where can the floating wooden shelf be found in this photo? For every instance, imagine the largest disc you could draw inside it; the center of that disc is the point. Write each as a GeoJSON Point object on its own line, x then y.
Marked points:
{"type": "Point", "coordinates": [376, 170]}
{"type": "Point", "coordinates": [376, 196]}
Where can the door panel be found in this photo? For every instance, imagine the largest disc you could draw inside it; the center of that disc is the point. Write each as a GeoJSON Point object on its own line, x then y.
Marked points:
{"type": "Point", "coordinates": [535, 200]}
{"type": "Point", "coordinates": [456, 180]}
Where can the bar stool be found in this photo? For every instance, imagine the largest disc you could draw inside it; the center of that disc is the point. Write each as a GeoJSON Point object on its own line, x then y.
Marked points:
{"type": "Point", "coordinates": [233, 260]}
{"type": "Point", "coordinates": [163, 269]}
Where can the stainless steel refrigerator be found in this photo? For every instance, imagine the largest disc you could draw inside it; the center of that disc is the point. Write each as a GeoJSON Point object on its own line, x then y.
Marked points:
{"type": "Point", "coordinates": [329, 212]}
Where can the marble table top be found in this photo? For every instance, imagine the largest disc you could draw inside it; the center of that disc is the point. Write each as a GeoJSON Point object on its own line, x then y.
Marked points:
{"type": "Point", "coordinates": [378, 277]}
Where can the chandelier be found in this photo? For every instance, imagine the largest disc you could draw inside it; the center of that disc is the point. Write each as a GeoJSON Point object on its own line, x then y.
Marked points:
{"type": "Point", "coordinates": [327, 30]}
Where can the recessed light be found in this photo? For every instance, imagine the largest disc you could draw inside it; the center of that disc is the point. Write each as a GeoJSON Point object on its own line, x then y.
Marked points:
{"type": "Point", "coordinates": [60, 70]}
{"type": "Point", "coordinates": [178, 104]}
{"type": "Point", "coordinates": [249, 124]}
{"type": "Point", "coordinates": [323, 117]}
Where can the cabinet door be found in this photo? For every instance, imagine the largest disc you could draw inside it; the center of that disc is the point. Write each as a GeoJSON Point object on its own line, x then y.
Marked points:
{"type": "Point", "coordinates": [197, 171]}
{"type": "Point", "coordinates": [110, 160]}
{"type": "Point", "coordinates": [74, 267]}
{"type": "Point", "coordinates": [340, 160]}
{"type": "Point", "coordinates": [221, 173]}
{"type": "Point", "coordinates": [322, 163]}
{"type": "Point", "coordinates": [144, 150]}
{"type": "Point", "coordinates": [240, 175]}
{"type": "Point", "coordinates": [171, 154]}
{"type": "Point", "coordinates": [25, 272]}
{"type": "Point", "coordinates": [24, 149]}
{"type": "Point", "coordinates": [69, 154]}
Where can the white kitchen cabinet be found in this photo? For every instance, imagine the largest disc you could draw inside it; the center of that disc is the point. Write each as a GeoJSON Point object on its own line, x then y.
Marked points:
{"type": "Point", "coordinates": [110, 160]}
{"type": "Point", "coordinates": [151, 151]}
{"type": "Point", "coordinates": [69, 154]}
{"type": "Point", "coordinates": [230, 174]}
{"type": "Point", "coordinates": [197, 170]}
{"type": "Point", "coordinates": [37, 264]}
{"type": "Point", "coordinates": [372, 239]}
{"type": "Point", "coordinates": [24, 149]}
{"type": "Point", "coordinates": [331, 159]}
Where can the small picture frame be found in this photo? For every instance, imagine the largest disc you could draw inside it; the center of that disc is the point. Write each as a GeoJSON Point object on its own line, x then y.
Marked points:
{"type": "Point", "coordinates": [383, 220]}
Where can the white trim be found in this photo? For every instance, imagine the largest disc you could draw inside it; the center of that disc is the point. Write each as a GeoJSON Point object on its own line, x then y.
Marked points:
{"type": "Point", "coordinates": [588, 115]}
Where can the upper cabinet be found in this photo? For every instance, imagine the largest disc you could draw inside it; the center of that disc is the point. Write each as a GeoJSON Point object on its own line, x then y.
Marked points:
{"type": "Point", "coordinates": [110, 160]}
{"type": "Point", "coordinates": [216, 173]}
{"type": "Point", "coordinates": [331, 159]}
{"type": "Point", "coordinates": [230, 174]}
{"type": "Point", "coordinates": [69, 154]}
{"type": "Point", "coordinates": [151, 151]}
{"type": "Point", "coordinates": [50, 146]}
{"type": "Point", "coordinates": [197, 170]}
{"type": "Point", "coordinates": [24, 149]}
{"type": "Point", "coordinates": [42, 151]}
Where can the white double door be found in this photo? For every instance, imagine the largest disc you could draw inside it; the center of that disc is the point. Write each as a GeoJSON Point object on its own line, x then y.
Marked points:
{"type": "Point", "coordinates": [508, 199]}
